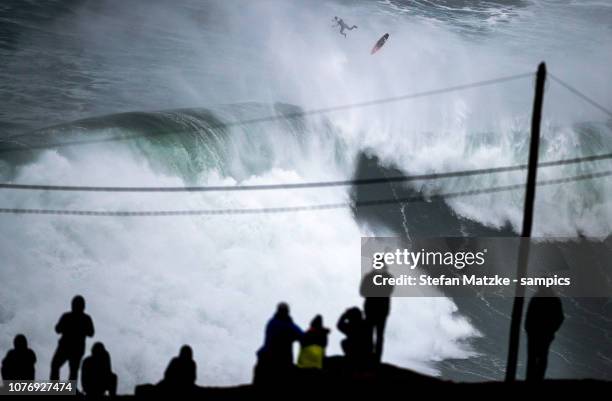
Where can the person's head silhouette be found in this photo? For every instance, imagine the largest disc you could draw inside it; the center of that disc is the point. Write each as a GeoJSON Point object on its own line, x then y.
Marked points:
{"type": "Point", "coordinates": [317, 322]}
{"type": "Point", "coordinates": [78, 304]}
{"type": "Point", "coordinates": [354, 314]}
{"type": "Point", "coordinates": [282, 310]}
{"type": "Point", "coordinates": [186, 352]}
{"type": "Point", "coordinates": [20, 342]}
{"type": "Point", "coordinates": [98, 349]}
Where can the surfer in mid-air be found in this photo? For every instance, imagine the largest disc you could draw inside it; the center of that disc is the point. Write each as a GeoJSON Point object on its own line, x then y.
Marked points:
{"type": "Point", "coordinates": [343, 25]}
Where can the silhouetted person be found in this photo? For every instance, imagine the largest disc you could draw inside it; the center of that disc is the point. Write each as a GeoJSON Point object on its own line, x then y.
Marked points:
{"type": "Point", "coordinates": [180, 375]}
{"type": "Point", "coordinates": [97, 377]}
{"type": "Point", "coordinates": [376, 307]}
{"type": "Point", "coordinates": [275, 357]}
{"type": "Point", "coordinates": [313, 343]}
{"type": "Point", "coordinates": [544, 317]}
{"type": "Point", "coordinates": [357, 345]}
{"type": "Point", "coordinates": [74, 327]}
{"type": "Point", "coordinates": [343, 25]}
{"type": "Point", "coordinates": [18, 364]}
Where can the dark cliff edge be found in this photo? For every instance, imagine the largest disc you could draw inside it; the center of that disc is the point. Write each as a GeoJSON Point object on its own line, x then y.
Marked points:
{"type": "Point", "coordinates": [340, 379]}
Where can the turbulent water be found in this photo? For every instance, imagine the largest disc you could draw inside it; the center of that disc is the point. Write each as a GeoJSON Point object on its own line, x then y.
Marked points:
{"type": "Point", "coordinates": [170, 83]}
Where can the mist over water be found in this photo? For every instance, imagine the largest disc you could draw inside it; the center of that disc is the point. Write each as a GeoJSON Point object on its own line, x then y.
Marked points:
{"type": "Point", "coordinates": [212, 282]}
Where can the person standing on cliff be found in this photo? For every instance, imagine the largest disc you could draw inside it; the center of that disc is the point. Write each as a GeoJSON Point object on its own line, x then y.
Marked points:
{"type": "Point", "coordinates": [376, 307]}
{"type": "Point", "coordinates": [275, 357]}
{"type": "Point", "coordinates": [544, 317]}
{"type": "Point", "coordinates": [74, 326]}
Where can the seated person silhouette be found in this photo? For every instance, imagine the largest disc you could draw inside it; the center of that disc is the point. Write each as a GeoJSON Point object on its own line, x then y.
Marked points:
{"type": "Point", "coordinates": [97, 377]}
{"type": "Point", "coordinates": [313, 342]}
{"type": "Point", "coordinates": [180, 375]}
{"type": "Point", "coordinates": [275, 357]}
{"type": "Point", "coordinates": [544, 318]}
{"type": "Point", "coordinates": [376, 307]}
{"type": "Point", "coordinates": [357, 345]}
{"type": "Point", "coordinates": [18, 364]}
{"type": "Point", "coordinates": [74, 327]}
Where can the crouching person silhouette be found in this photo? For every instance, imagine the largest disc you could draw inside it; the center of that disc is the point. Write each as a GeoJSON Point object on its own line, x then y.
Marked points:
{"type": "Point", "coordinates": [18, 364]}
{"type": "Point", "coordinates": [544, 317]}
{"type": "Point", "coordinates": [357, 345]}
{"type": "Point", "coordinates": [97, 377]}
{"type": "Point", "coordinates": [180, 375]}
{"type": "Point", "coordinates": [275, 357]}
{"type": "Point", "coordinates": [74, 327]}
{"type": "Point", "coordinates": [313, 342]}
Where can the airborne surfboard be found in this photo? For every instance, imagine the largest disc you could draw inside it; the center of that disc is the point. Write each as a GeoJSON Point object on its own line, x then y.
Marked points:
{"type": "Point", "coordinates": [380, 43]}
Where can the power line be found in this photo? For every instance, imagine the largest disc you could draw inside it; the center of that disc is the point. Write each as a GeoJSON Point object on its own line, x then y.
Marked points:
{"type": "Point", "coordinates": [322, 184]}
{"type": "Point", "coordinates": [276, 210]}
{"type": "Point", "coordinates": [580, 95]}
{"type": "Point", "coordinates": [307, 113]}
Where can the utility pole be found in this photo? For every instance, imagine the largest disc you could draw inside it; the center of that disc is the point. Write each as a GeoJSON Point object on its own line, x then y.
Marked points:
{"type": "Point", "coordinates": [521, 269]}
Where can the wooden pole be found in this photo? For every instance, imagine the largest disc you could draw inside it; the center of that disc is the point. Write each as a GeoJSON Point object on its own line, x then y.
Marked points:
{"type": "Point", "coordinates": [521, 269]}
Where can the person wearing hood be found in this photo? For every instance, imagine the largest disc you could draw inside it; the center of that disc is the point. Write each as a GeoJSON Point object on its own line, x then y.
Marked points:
{"type": "Point", "coordinates": [313, 344]}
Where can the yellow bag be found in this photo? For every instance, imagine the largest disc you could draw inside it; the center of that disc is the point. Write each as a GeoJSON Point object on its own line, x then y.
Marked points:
{"type": "Point", "coordinates": [311, 357]}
